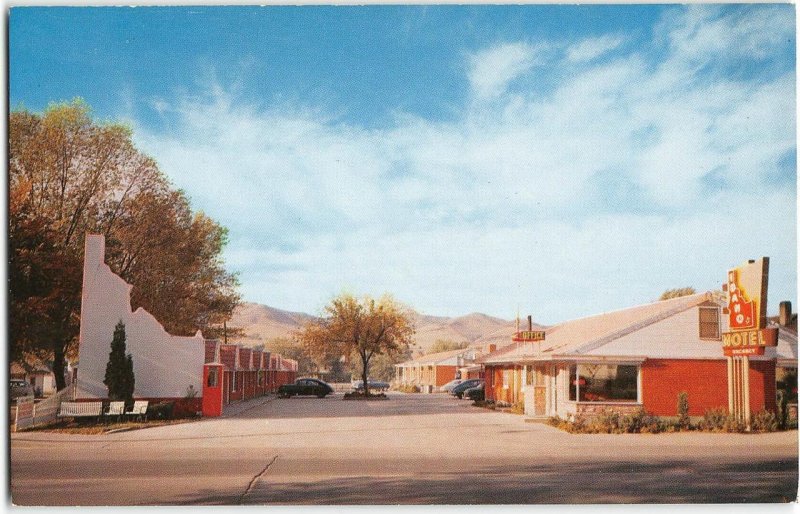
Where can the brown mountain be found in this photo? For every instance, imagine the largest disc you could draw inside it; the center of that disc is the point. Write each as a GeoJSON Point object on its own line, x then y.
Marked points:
{"type": "Point", "coordinates": [261, 323]}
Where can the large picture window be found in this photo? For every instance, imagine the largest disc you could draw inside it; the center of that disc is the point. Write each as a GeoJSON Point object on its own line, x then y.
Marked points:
{"type": "Point", "coordinates": [603, 383]}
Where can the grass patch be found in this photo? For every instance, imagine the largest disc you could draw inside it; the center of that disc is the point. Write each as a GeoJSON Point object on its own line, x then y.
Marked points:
{"type": "Point", "coordinates": [86, 428]}
{"type": "Point", "coordinates": [356, 395]}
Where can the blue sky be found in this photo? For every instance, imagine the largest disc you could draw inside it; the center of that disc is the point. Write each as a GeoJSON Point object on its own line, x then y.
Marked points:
{"type": "Point", "coordinates": [564, 159]}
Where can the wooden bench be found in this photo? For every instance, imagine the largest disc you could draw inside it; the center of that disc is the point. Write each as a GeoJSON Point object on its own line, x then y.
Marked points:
{"type": "Point", "coordinates": [80, 409]}
{"type": "Point", "coordinates": [139, 409]}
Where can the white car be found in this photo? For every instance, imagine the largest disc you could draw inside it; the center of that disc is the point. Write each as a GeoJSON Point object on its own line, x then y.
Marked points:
{"type": "Point", "coordinates": [448, 387]}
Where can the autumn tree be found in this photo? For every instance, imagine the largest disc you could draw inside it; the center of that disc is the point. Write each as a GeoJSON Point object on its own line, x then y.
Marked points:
{"type": "Point", "coordinates": [677, 293]}
{"type": "Point", "coordinates": [381, 366]}
{"type": "Point", "coordinates": [362, 327]}
{"type": "Point", "coordinates": [70, 175]}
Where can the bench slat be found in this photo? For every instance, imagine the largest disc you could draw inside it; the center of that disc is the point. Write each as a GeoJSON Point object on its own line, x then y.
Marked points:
{"type": "Point", "coordinates": [139, 408]}
{"type": "Point", "coordinates": [78, 409]}
{"type": "Point", "coordinates": [116, 408]}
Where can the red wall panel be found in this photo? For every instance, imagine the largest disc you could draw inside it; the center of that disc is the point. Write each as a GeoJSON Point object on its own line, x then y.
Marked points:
{"type": "Point", "coordinates": [706, 383]}
{"type": "Point", "coordinates": [444, 374]}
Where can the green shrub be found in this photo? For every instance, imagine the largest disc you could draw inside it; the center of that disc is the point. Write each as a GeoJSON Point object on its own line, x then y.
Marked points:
{"type": "Point", "coordinates": [160, 410]}
{"type": "Point", "coordinates": [734, 425]}
{"type": "Point", "coordinates": [578, 424]}
{"type": "Point", "coordinates": [408, 388]}
{"type": "Point", "coordinates": [764, 421]}
{"type": "Point", "coordinates": [718, 420]}
{"type": "Point", "coordinates": [640, 422]}
{"type": "Point", "coordinates": [683, 423]}
{"type": "Point", "coordinates": [783, 409]}
{"type": "Point", "coordinates": [607, 422]}
{"type": "Point", "coordinates": [714, 420]}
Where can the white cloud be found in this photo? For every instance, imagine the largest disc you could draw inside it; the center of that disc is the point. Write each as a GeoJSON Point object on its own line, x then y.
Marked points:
{"type": "Point", "coordinates": [493, 209]}
{"type": "Point", "coordinates": [592, 48]}
{"type": "Point", "coordinates": [491, 69]}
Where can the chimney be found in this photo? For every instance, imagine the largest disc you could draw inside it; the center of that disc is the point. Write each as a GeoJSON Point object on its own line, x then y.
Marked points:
{"type": "Point", "coordinates": [785, 313]}
{"type": "Point", "coordinates": [94, 252]}
{"type": "Point", "coordinates": [530, 322]}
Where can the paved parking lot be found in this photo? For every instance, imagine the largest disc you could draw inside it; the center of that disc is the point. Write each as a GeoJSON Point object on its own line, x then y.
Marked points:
{"type": "Point", "coordinates": [408, 449]}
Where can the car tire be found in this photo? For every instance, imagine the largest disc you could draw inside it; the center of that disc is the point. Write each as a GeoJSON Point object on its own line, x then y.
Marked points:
{"type": "Point", "coordinates": [322, 395]}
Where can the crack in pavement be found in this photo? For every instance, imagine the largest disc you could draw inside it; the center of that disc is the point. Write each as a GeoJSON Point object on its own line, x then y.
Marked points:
{"type": "Point", "coordinates": [255, 479]}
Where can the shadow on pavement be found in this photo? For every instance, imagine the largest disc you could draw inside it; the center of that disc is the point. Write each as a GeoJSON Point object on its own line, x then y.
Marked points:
{"type": "Point", "coordinates": [299, 407]}
{"type": "Point", "coordinates": [767, 481]}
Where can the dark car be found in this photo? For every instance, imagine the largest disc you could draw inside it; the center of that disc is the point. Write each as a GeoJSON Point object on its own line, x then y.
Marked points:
{"type": "Point", "coordinates": [463, 386]}
{"type": "Point", "coordinates": [305, 387]}
{"type": "Point", "coordinates": [19, 388]}
{"type": "Point", "coordinates": [475, 393]}
{"type": "Point", "coordinates": [376, 385]}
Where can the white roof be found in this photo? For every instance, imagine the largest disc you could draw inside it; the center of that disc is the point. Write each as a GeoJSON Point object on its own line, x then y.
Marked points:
{"type": "Point", "coordinates": [667, 329]}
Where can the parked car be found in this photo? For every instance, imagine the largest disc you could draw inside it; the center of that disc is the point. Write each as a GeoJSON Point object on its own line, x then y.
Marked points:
{"type": "Point", "coordinates": [20, 388]}
{"type": "Point", "coordinates": [448, 387]}
{"type": "Point", "coordinates": [475, 393]}
{"type": "Point", "coordinates": [305, 387]}
{"type": "Point", "coordinates": [377, 385]}
{"type": "Point", "coordinates": [458, 390]}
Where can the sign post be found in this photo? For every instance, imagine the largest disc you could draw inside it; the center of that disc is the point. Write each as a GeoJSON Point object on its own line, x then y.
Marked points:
{"type": "Point", "coordinates": [747, 321]}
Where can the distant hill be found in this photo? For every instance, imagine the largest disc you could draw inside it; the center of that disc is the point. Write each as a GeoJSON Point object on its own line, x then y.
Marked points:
{"type": "Point", "coordinates": [261, 323]}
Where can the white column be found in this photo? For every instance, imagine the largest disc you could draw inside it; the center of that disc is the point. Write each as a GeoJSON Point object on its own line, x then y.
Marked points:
{"type": "Point", "coordinates": [746, 388]}
{"type": "Point", "coordinates": [731, 402]}
{"type": "Point", "coordinates": [639, 383]}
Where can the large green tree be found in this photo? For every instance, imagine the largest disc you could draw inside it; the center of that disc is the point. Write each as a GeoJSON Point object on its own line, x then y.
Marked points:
{"type": "Point", "coordinates": [70, 175]}
{"type": "Point", "coordinates": [361, 327]}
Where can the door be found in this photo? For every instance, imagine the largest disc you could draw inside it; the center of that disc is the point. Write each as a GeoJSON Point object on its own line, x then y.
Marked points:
{"type": "Point", "coordinates": [539, 390]}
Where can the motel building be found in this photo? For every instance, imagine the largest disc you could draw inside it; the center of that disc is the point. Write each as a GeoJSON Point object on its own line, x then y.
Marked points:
{"type": "Point", "coordinates": [643, 357]}
{"type": "Point", "coordinates": [434, 370]}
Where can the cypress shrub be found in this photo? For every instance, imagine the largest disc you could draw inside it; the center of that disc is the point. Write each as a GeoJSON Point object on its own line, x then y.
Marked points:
{"type": "Point", "coordinates": [119, 371]}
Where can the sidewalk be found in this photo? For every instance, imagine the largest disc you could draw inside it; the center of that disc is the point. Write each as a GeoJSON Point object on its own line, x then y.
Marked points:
{"type": "Point", "coordinates": [234, 409]}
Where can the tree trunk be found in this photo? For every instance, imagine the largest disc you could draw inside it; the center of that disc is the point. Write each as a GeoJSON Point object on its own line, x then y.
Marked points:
{"type": "Point", "coordinates": [365, 374]}
{"type": "Point", "coordinates": [58, 365]}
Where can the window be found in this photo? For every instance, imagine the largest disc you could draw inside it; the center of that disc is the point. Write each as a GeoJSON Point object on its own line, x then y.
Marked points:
{"type": "Point", "coordinates": [709, 323]}
{"type": "Point", "coordinates": [603, 383]}
{"type": "Point", "coordinates": [508, 377]}
{"type": "Point", "coordinates": [212, 377]}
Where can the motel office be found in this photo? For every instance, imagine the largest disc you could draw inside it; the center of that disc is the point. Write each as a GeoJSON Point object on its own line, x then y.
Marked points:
{"type": "Point", "coordinates": [640, 357]}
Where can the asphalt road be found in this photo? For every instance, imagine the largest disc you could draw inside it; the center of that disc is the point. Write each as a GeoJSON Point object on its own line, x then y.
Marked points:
{"type": "Point", "coordinates": [410, 449]}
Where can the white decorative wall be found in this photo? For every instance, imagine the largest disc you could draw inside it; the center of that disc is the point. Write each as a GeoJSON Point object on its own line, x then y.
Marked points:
{"type": "Point", "coordinates": [164, 365]}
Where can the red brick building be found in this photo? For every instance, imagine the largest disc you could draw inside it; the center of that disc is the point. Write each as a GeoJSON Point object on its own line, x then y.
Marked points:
{"type": "Point", "coordinates": [640, 357]}
{"type": "Point", "coordinates": [247, 373]}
